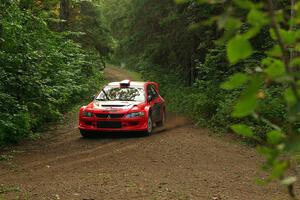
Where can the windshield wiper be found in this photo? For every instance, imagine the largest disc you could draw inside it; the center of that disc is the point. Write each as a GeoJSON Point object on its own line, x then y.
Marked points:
{"type": "Point", "coordinates": [105, 95]}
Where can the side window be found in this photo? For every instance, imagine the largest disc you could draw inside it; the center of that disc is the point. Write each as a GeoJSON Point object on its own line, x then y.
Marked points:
{"type": "Point", "coordinates": [149, 91]}
{"type": "Point", "coordinates": [154, 93]}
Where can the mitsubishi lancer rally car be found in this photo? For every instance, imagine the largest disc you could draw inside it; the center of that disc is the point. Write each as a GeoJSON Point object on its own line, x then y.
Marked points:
{"type": "Point", "coordinates": [123, 107]}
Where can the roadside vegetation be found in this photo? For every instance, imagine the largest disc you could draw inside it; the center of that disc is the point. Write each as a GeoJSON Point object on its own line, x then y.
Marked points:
{"type": "Point", "coordinates": [177, 46]}
{"type": "Point", "coordinates": [231, 66]}
{"type": "Point", "coordinates": [47, 62]}
{"type": "Point", "coordinates": [228, 65]}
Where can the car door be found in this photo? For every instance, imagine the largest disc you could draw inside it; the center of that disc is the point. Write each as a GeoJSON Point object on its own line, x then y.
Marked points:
{"type": "Point", "coordinates": [155, 103]}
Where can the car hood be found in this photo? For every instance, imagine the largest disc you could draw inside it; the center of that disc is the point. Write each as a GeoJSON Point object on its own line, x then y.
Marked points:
{"type": "Point", "coordinates": [116, 105]}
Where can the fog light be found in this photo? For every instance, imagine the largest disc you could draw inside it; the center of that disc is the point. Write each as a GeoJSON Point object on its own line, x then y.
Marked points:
{"type": "Point", "coordinates": [135, 114]}
{"type": "Point", "coordinates": [87, 114]}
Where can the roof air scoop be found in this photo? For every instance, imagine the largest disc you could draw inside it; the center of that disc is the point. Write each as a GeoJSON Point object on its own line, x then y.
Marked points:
{"type": "Point", "coordinates": [125, 83]}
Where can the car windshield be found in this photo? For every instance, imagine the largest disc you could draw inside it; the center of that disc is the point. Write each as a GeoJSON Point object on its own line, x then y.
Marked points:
{"type": "Point", "coordinates": [122, 94]}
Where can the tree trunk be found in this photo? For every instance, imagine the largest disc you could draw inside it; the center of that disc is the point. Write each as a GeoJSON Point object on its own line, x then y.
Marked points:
{"type": "Point", "coordinates": [293, 27]}
{"type": "Point", "coordinates": [64, 14]}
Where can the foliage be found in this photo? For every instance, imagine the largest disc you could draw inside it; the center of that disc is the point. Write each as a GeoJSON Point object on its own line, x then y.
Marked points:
{"type": "Point", "coordinates": [86, 17]}
{"type": "Point", "coordinates": [162, 38]}
{"type": "Point", "coordinates": [279, 67]}
{"type": "Point", "coordinates": [48, 60]}
{"type": "Point", "coordinates": [191, 49]}
{"type": "Point", "coordinates": [42, 73]}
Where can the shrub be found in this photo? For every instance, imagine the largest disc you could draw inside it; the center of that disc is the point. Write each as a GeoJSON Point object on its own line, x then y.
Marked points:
{"type": "Point", "coordinates": [42, 73]}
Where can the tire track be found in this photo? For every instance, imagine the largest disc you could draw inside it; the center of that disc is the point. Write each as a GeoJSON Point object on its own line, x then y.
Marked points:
{"type": "Point", "coordinates": [178, 162]}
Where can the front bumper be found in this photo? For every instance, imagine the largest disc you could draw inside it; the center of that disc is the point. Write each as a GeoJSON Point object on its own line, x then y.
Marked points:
{"type": "Point", "coordinates": [113, 125]}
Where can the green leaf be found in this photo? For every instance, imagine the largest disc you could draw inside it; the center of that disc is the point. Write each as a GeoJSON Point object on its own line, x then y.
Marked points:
{"type": "Point", "coordinates": [279, 169]}
{"type": "Point", "coordinates": [279, 16]}
{"type": "Point", "coordinates": [248, 101]}
{"type": "Point", "coordinates": [272, 34]}
{"type": "Point", "coordinates": [297, 47]}
{"type": "Point", "coordinates": [275, 51]}
{"type": "Point", "coordinates": [243, 130]}
{"type": "Point", "coordinates": [253, 31]}
{"type": "Point", "coordinates": [267, 152]}
{"type": "Point", "coordinates": [274, 68]}
{"type": "Point", "coordinates": [295, 62]}
{"type": "Point", "coordinates": [181, 1]}
{"type": "Point", "coordinates": [257, 18]}
{"type": "Point", "coordinates": [245, 4]}
{"type": "Point", "coordinates": [232, 23]}
{"type": "Point", "coordinates": [290, 97]}
{"type": "Point", "coordinates": [245, 107]}
{"type": "Point", "coordinates": [274, 137]}
{"type": "Point", "coordinates": [235, 81]}
{"type": "Point", "coordinates": [238, 48]}
{"type": "Point", "coordinates": [288, 37]}
{"type": "Point", "coordinates": [209, 1]}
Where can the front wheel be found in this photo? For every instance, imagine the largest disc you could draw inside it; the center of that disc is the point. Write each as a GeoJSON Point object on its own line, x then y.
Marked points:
{"type": "Point", "coordinates": [85, 134]}
{"type": "Point", "coordinates": [149, 130]}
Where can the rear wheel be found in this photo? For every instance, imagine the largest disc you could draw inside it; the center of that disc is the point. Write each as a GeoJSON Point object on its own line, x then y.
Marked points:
{"type": "Point", "coordinates": [162, 122]}
{"type": "Point", "coordinates": [85, 134]}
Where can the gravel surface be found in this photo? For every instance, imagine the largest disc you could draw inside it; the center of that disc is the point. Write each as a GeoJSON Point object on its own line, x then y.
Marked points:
{"type": "Point", "coordinates": [179, 162]}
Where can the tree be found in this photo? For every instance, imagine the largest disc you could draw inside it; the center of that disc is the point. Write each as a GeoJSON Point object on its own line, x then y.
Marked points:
{"type": "Point", "coordinates": [43, 72]}
{"type": "Point", "coordinates": [278, 67]}
{"type": "Point", "coordinates": [249, 43]}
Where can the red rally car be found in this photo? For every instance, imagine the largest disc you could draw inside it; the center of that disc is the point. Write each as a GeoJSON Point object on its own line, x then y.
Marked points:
{"type": "Point", "coordinates": [124, 106]}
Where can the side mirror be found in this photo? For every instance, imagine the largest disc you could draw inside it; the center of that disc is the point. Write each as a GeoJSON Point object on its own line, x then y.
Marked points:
{"type": "Point", "coordinates": [150, 98]}
{"type": "Point", "coordinates": [93, 97]}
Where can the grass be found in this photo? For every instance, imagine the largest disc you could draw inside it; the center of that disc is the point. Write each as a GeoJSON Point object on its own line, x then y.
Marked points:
{"type": "Point", "coordinates": [7, 160]}
{"type": "Point", "coordinates": [9, 155]}
{"type": "Point", "coordinates": [6, 157]}
{"type": "Point", "coordinates": [136, 75]}
{"type": "Point", "coordinates": [6, 189]}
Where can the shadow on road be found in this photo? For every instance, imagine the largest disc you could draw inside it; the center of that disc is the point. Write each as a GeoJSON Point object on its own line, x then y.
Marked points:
{"type": "Point", "coordinates": [114, 135]}
{"type": "Point", "coordinates": [175, 124]}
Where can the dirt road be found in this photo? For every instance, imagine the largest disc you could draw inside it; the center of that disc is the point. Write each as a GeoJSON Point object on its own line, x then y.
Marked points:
{"type": "Point", "coordinates": [182, 162]}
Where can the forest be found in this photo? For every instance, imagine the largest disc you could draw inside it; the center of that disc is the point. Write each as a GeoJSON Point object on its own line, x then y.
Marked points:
{"type": "Point", "coordinates": [176, 46]}
{"type": "Point", "coordinates": [230, 66]}
{"type": "Point", "coordinates": [51, 58]}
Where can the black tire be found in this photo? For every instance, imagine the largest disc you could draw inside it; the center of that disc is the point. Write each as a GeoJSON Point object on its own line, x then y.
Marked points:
{"type": "Point", "coordinates": [85, 134]}
{"type": "Point", "coordinates": [162, 122]}
{"type": "Point", "coordinates": [149, 130]}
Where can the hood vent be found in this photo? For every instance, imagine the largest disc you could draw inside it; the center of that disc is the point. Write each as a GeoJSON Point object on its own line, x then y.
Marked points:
{"type": "Point", "coordinates": [113, 105]}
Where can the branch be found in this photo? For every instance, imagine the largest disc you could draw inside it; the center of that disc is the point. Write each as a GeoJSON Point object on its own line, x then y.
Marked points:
{"type": "Point", "coordinates": [285, 50]}
{"type": "Point", "coordinates": [266, 121]}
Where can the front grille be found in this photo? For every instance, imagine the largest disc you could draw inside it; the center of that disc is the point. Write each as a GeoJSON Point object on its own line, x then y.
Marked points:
{"type": "Point", "coordinates": [109, 116]}
{"type": "Point", "coordinates": [108, 124]}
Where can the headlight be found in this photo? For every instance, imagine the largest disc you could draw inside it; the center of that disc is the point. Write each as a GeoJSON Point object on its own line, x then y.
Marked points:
{"type": "Point", "coordinates": [135, 114]}
{"type": "Point", "coordinates": [87, 114]}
